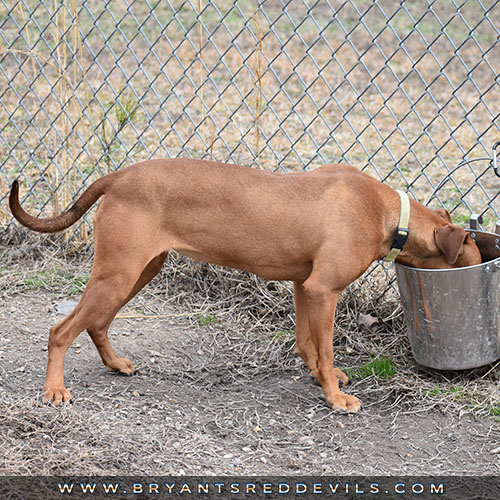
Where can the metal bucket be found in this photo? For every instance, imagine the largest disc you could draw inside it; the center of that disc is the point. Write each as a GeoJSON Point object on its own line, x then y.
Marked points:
{"type": "Point", "coordinates": [453, 315]}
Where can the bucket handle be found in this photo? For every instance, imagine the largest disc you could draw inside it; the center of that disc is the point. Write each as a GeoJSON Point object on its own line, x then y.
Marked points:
{"type": "Point", "coordinates": [493, 163]}
{"type": "Point", "coordinates": [495, 159]}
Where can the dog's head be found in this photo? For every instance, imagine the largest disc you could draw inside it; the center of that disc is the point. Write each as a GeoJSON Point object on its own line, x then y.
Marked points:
{"type": "Point", "coordinates": [450, 247]}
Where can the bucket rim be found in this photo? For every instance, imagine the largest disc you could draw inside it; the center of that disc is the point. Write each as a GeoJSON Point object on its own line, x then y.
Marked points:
{"type": "Point", "coordinates": [470, 230]}
{"type": "Point", "coordinates": [424, 269]}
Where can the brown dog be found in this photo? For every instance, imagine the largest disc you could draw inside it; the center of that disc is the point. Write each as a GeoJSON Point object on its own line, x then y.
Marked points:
{"type": "Point", "coordinates": [321, 229]}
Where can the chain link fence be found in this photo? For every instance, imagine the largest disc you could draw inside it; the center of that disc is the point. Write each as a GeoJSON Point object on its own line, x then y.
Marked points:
{"type": "Point", "coordinates": [404, 90]}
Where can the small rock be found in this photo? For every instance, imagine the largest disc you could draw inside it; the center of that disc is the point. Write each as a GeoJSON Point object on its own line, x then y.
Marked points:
{"type": "Point", "coordinates": [495, 451]}
{"type": "Point", "coordinates": [66, 306]}
{"type": "Point", "coordinates": [246, 449]}
{"type": "Point", "coordinates": [306, 440]}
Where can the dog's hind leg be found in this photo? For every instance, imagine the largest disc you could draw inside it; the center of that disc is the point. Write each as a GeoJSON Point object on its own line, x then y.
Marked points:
{"type": "Point", "coordinates": [99, 334]}
{"type": "Point", "coordinates": [107, 291]}
{"type": "Point", "coordinates": [123, 264]}
{"type": "Point", "coordinates": [303, 343]}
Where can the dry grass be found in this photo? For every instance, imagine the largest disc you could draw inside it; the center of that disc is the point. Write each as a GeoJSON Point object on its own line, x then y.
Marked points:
{"type": "Point", "coordinates": [22, 421]}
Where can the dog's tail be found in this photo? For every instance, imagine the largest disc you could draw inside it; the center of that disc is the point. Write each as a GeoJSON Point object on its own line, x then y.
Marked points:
{"type": "Point", "coordinates": [67, 218]}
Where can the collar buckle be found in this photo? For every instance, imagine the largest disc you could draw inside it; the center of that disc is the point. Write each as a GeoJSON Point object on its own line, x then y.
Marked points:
{"type": "Point", "coordinates": [400, 238]}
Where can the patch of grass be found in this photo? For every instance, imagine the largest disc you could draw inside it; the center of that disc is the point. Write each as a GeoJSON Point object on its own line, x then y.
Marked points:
{"type": "Point", "coordinates": [55, 279]}
{"type": "Point", "coordinates": [494, 412]}
{"type": "Point", "coordinates": [381, 368]}
{"type": "Point", "coordinates": [286, 338]}
{"type": "Point", "coordinates": [462, 396]}
{"type": "Point", "coordinates": [206, 320]}
{"type": "Point", "coordinates": [78, 285]}
{"type": "Point", "coordinates": [41, 280]}
{"type": "Point", "coordinates": [432, 393]}
{"type": "Point", "coordinates": [456, 391]}
{"type": "Point", "coordinates": [461, 219]}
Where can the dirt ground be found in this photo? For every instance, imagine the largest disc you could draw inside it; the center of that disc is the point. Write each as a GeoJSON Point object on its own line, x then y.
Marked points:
{"type": "Point", "coordinates": [214, 396]}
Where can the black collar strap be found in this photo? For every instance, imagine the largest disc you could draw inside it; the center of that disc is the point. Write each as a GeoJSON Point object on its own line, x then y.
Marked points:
{"type": "Point", "coordinates": [402, 232]}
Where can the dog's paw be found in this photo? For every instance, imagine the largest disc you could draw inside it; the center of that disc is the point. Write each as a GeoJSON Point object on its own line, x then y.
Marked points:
{"type": "Point", "coordinates": [56, 396]}
{"type": "Point", "coordinates": [341, 376]}
{"type": "Point", "coordinates": [345, 402]}
{"type": "Point", "coordinates": [122, 366]}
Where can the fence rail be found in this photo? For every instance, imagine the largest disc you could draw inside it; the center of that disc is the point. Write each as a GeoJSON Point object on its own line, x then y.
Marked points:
{"type": "Point", "coordinates": [405, 90]}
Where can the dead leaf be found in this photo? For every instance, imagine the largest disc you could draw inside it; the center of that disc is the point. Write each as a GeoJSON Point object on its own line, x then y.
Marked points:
{"type": "Point", "coordinates": [368, 323]}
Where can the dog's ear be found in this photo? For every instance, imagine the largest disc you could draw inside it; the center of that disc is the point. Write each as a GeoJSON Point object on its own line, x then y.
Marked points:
{"type": "Point", "coordinates": [450, 239]}
{"type": "Point", "coordinates": [444, 214]}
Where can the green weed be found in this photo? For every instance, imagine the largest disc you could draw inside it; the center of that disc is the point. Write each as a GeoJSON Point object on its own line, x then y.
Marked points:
{"type": "Point", "coordinates": [381, 368]}
{"type": "Point", "coordinates": [79, 284]}
{"type": "Point", "coordinates": [494, 412]}
{"type": "Point", "coordinates": [206, 320]}
{"type": "Point", "coordinates": [457, 391]}
{"type": "Point", "coordinates": [286, 338]}
{"type": "Point", "coordinates": [55, 279]}
{"type": "Point", "coordinates": [125, 110]}
{"type": "Point", "coordinates": [41, 280]}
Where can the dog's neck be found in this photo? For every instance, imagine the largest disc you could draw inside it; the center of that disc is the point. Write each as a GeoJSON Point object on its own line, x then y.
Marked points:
{"type": "Point", "coordinates": [420, 242]}
{"type": "Point", "coordinates": [401, 234]}
{"type": "Point", "coordinates": [389, 217]}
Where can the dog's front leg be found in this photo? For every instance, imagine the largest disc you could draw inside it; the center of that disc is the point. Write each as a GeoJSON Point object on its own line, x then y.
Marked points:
{"type": "Point", "coordinates": [304, 346]}
{"type": "Point", "coordinates": [303, 342]}
{"type": "Point", "coordinates": [321, 302]}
